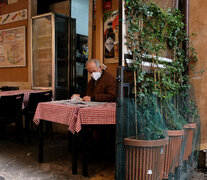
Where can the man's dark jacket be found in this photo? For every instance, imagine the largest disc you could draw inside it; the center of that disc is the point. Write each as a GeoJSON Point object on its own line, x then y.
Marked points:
{"type": "Point", "coordinates": [102, 90]}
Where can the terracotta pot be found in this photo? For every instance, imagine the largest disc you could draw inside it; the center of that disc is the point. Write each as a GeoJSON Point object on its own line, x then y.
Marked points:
{"type": "Point", "coordinates": [188, 139]}
{"type": "Point", "coordinates": [173, 151]}
{"type": "Point", "coordinates": [144, 159]}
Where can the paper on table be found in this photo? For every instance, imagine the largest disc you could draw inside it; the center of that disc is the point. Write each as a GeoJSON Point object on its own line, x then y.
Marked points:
{"type": "Point", "coordinates": [78, 103]}
{"type": "Point", "coordinates": [76, 98]}
{"type": "Point", "coordinates": [93, 103]}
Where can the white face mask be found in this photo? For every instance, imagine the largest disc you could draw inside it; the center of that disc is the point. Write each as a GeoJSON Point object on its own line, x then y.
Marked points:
{"type": "Point", "coordinates": [96, 75]}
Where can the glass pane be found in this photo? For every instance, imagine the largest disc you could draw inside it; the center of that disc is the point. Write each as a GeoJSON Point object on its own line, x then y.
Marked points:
{"type": "Point", "coordinates": [79, 74]}
{"type": "Point", "coordinates": [80, 69]}
{"type": "Point", "coordinates": [62, 51]}
{"type": "Point", "coordinates": [42, 51]}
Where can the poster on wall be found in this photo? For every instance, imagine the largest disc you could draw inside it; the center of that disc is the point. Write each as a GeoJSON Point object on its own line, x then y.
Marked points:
{"type": "Point", "coordinates": [13, 17]}
{"type": "Point", "coordinates": [111, 37]}
{"type": "Point", "coordinates": [12, 47]}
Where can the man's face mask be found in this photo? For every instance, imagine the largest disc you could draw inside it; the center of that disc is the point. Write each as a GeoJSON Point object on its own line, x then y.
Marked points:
{"type": "Point", "coordinates": [96, 75]}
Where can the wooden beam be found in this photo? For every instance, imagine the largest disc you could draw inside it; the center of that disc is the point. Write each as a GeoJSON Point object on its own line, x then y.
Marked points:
{"type": "Point", "coordinates": [99, 30]}
{"type": "Point", "coordinates": [90, 30]}
{"type": "Point", "coordinates": [32, 11]}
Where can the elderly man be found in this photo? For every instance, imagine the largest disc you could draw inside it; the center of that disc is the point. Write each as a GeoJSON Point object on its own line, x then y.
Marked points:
{"type": "Point", "coordinates": [102, 86]}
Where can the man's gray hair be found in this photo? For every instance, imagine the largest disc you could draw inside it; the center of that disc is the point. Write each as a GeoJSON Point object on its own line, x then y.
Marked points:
{"type": "Point", "coordinates": [96, 61]}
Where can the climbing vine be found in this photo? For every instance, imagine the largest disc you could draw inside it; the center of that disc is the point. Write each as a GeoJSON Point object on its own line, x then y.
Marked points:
{"type": "Point", "coordinates": [154, 33]}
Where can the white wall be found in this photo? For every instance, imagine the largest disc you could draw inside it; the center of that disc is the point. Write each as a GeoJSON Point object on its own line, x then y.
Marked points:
{"type": "Point", "coordinates": [80, 11]}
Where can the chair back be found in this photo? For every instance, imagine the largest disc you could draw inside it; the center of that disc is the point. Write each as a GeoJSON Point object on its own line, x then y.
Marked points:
{"type": "Point", "coordinates": [35, 98]}
{"type": "Point", "coordinates": [11, 105]}
{"type": "Point", "coordinates": [9, 88]}
{"type": "Point", "coordinates": [46, 96]}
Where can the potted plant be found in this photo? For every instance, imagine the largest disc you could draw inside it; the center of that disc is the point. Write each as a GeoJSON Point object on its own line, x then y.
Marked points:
{"type": "Point", "coordinates": [159, 83]}
{"type": "Point", "coordinates": [175, 132]}
{"type": "Point", "coordinates": [149, 142]}
{"type": "Point", "coordinates": [190, 112]}
{"type": "Point", "coordinates": [149, 139]}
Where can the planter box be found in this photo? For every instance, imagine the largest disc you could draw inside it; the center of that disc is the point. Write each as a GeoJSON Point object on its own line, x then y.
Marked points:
{"type": "Point", "coordinates": [144, 159]}
{"type": "Point", "coordinates": [189, 135]}
{"type": "Point", "coordinates": [173, 151]}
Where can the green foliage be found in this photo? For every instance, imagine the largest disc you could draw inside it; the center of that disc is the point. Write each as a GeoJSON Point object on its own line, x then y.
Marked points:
{"type": "Point", "coordinates": [189, 110]}
{"type": "Point", "coordinates": [150, 119]}
{"type": "Point", "coordinates": [174, 119]}
{"type": "Point", "coordinates": [151, 32]}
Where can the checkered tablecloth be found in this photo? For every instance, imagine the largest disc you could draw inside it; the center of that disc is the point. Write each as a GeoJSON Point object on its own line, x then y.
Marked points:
{"type": "Point", "coordinates": [101, 114]}
{"type": "Point", "coordinates": [26, 93]}
{"type": "Point", "coordinates": [59, 113]}
{"type": "Point", "coordinates": [74, 116]}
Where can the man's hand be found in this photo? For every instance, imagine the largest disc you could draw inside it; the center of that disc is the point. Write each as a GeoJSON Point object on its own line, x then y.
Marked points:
{"type": "Point", "coordinates": [87, 98]}
{"type": "Point", "coordinates": [78, 95]}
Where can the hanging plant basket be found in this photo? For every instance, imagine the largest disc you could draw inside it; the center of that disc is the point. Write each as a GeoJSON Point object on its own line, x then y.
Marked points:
{"type": "Point", "coordinates": [188, 139]}
{"type": "Point", "coordinates": [144, 158]}
{"type": "Point", "coordinates": [173, 151]}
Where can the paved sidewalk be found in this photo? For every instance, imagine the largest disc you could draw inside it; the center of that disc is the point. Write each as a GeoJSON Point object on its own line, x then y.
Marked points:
{"type": "Point", "coordinates": [199, 174]}
{"type": "Point", "coordinates": [20, 162]}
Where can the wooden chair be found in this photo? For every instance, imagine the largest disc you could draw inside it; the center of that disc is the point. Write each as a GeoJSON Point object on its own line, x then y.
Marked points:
{"type": "Point", "coordinates": [9, 88]}
{"type": "Point", "coordinates": [11, 112]}
{"type": "Point", "coordinates": [30, 109]}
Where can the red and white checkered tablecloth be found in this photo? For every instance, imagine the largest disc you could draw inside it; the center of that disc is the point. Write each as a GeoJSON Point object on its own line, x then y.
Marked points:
{"type": "Point", "coordinates": [59, 113]}
{"type": "Point", "coordinates": [74, 116]}
{"type": "Point", "coordinates": [26, 93]}
{"type": "Point", "coordinates": [101, 114]}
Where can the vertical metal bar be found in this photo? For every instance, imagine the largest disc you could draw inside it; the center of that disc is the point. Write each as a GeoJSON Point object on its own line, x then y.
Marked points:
{"type": "Point", "coordinates": [120, 76]}
{"type": "Point", "coordinates": [120, 128]}
{"type": "Point", "coordinates": [120, 169]}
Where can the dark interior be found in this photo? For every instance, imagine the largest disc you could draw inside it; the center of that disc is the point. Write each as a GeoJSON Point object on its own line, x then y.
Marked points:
{"type": "Point", "coordinates": [43, 6]}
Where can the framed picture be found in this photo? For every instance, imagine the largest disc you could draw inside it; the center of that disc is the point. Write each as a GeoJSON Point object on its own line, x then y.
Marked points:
{"type": "Point", "coordinates": [12, 47]}
{"type": "Point", "coordinates": [111, 37]}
